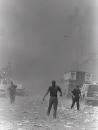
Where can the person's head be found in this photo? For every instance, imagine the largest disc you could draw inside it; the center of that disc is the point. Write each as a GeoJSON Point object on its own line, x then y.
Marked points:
{"type": "Point", "coordinates": [53, 83]}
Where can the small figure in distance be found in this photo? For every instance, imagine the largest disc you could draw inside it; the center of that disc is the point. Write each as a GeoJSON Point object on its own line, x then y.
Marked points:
{"type": "Point", "coordinates": [76, 93]}
{"type": "Point", "coordinates": [12, 92]}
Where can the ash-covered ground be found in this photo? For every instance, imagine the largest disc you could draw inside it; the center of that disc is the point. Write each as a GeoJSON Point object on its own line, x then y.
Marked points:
{"type": "Point", "coordinates": [29, 113]}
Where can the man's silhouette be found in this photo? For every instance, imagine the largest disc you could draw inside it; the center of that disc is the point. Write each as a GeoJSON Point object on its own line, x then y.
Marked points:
{"type": "Point", "coordinates": [12, 92]}
{"type": "Point", "coordinates": [76, 93]}
{"type": "Point", "coordinates": [53, 101]}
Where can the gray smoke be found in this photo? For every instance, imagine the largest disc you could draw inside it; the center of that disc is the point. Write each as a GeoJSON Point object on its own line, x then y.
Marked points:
{"type": "Point", "coordinates": [43, 38]}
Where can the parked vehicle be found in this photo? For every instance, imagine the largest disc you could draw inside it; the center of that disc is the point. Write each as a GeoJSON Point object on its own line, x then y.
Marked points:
{"type": "Point", "coordinates": [20, 90]}
{"type": "Point", "coordinates": [3, 88]}
{"type": "Point", "coordinates": [91, 97]}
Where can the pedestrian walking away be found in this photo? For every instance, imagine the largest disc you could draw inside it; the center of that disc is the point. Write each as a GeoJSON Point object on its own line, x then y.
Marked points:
{"type": "Point", "coordinates": [76, 93]}
{"type": "Point", "coordinates": [12, 92]}
{"type": "Point", "coordinates": [53, 101]}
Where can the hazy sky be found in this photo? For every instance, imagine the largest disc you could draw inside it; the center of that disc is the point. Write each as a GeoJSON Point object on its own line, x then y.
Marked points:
{"type": "Point", "coordinates": [44, 38]}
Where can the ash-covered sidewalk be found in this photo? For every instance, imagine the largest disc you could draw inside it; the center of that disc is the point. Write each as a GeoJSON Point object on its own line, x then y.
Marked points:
{"type": "Point", "coordinates": [29, 113]}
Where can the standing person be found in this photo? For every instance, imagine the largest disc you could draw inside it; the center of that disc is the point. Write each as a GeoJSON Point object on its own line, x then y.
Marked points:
{"type": "Point", "coordinates": [76, 93]}
{"type": "Point", "coordinates": [53, 101]}
{"type": "Point", "coordinates": [12, 92]}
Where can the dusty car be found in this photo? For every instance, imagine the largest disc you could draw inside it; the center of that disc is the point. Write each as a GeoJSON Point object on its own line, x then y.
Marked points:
{"type": "Point", "coordinates": [20, 90]}
{"type": "Point", "coordinates": [3, 89]}
{"type": "Point", "coordinates": [91, 97]}
{"type": "Point", "coordinates": [4, 85]}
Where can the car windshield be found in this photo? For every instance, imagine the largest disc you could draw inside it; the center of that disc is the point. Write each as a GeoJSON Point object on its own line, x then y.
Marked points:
{"type": "Point", "coordinates": [93, 87]}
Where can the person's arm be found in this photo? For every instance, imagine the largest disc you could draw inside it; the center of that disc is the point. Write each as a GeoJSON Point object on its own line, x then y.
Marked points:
{"type": "Point", "coordinates": [46, 93]}
{"type": "Point", "coordinates": [72, 93]}
{"type": "Point", "coordinates": [79, 93]}
{"type": "Point", "coordinates": [15, 86]}
{"type": "Point", "coordinates": [60, 91]}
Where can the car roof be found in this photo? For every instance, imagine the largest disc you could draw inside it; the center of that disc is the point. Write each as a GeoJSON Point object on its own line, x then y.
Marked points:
{"type": "Point", "coordinates": [94, 85]}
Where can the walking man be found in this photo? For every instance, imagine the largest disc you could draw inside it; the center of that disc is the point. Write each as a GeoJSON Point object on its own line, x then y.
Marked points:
{"type": "Point", "coordinates": [53, 101]}
{"type": "Point", "coordinates": [76, 93]}
{"type": "Point", "coordinates": [12, 92]}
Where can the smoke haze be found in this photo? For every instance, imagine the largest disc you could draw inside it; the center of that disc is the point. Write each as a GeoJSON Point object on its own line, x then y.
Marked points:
{"type": "Point", "coordinates": [44, 38]}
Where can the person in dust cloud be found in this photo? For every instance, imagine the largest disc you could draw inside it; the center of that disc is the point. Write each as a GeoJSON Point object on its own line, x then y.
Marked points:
{"type": "Point", "coordinates": [76, 93]}
{"type": "Point", "coordinates": [53, 101]}
{"type": "Point", "coordinates": [12, 92]}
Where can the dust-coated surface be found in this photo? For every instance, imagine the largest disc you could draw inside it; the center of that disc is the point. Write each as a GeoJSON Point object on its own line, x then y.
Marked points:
{"type": "Point", "coordinates": [29, 113]}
